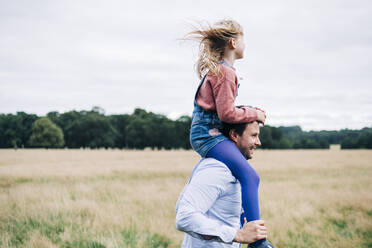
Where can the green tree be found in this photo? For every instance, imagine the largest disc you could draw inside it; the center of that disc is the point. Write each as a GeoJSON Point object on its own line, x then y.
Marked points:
{"type": "Point", "coordinates": [265, 137]}
{"type": "Point", "coordinates": [182, 129]}
{"type": "Point", "coordinates": [86, 128]}
{"type": "Point", "coordinates": [357, 139]}
{"type": "Point", "coordinates": [119, 124]}
{"type": "Point", "coordinates": [136, 133]}
{"type": "Point", "coordinates": [8, 132]}
{"type": "Point", "coordinates": [365, 138]}
{"type": "Point", "coordinates": [69, 122]}
{"type": "Point", "coordinates": [284, 143]}
{"type": "Point", "coordinates": [15, 130]}
{"type": "Point", "coordinates": [24, 127]}
{"type": "Point", "coordinates": [146, 129]}
{"type": "Point", "coordinates": [96, 130]}
{"type": "Point", "coordinates": [46, 134]}
{"type": "Point", "coordinates": [348, 143]}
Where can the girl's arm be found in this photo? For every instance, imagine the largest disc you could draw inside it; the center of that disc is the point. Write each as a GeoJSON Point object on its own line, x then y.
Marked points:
{"type": "Point", "coordinates": [224, 91]}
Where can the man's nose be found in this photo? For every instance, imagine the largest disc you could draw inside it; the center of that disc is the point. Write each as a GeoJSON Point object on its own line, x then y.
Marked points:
{"type": "Point", "coordinates": [258, 142]}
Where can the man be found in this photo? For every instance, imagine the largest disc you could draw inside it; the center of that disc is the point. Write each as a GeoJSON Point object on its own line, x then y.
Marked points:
{"type": "Point", "coordinates": [208, 209]}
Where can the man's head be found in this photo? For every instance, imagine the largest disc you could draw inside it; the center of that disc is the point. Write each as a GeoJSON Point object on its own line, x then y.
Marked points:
{"type": "Point", "coordinates": [244, 136]}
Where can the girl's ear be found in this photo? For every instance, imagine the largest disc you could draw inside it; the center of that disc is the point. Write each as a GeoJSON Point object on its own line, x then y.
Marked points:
{"type": "Point", "coordinates": [232, 43]}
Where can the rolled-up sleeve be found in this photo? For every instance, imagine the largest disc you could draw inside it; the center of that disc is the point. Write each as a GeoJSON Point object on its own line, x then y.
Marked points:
{"type": "Point", "coordinates": [197, 198]}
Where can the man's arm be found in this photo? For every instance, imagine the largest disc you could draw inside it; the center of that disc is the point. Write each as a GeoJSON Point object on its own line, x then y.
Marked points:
{"type": "Point", "coordinates": [204, 189]}
{"type": "Point", "coordinates": [199, 195]}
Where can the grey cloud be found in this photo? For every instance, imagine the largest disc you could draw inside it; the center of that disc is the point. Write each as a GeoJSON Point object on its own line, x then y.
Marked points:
{"type": "Point", "coordinates": [308, 59]}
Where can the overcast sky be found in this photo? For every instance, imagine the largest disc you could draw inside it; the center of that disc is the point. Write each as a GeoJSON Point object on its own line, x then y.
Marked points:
{"type": "Point", "coordinates": [306, 63]}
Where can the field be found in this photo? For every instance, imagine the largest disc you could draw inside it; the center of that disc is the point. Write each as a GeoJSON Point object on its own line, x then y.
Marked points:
{"type": "Point", "coordinates": [113, 198]}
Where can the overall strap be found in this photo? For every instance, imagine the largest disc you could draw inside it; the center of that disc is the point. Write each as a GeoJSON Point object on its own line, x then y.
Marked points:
{"type": "Point", "coordinates": [201, 82]}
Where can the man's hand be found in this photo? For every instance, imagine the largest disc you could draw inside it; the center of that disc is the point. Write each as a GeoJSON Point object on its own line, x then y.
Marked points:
{"type": "Point", "coordinates": [251, 232]}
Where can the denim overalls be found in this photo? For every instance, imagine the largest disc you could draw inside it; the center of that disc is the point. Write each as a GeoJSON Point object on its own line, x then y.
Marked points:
{"type": "Point", "coordinates": [205, 127]}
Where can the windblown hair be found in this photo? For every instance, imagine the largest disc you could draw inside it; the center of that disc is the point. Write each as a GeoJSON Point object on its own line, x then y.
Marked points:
{"type": "Point", "coordinates": [213, 41]}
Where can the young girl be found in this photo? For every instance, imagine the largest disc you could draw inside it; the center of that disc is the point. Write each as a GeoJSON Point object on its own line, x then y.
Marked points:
{"type": "Point", "coordinates": [220, 45]}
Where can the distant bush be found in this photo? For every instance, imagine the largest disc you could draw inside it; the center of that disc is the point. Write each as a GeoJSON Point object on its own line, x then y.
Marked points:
{"type": "Point", "coordinates": [46, 134]}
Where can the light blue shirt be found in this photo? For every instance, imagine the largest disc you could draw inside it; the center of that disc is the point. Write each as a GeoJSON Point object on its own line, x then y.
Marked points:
{"type": "Point", "coordinates": [210, 204]}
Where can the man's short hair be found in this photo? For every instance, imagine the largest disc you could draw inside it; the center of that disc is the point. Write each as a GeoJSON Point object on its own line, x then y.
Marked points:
{"type": "Point", "coordinates": [238, 127]}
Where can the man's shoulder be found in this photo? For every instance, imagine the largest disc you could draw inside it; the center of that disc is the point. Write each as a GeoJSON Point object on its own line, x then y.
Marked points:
{"type": "Point", "coordinates": [214, 166]}
{"type": "Point", "coordinates": [211, 162]}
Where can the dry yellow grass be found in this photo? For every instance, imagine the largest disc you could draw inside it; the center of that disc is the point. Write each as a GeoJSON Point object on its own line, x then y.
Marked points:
{"type": "Point", "coordinates": [113, 198]}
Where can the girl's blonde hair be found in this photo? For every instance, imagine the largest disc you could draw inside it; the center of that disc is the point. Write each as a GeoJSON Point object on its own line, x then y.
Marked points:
{"type": "Point", "coordinates": [213, 41]}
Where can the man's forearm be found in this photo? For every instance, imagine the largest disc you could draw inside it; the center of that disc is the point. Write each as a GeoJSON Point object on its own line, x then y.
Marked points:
{"type": "Point", "coordinates": [200, 226]}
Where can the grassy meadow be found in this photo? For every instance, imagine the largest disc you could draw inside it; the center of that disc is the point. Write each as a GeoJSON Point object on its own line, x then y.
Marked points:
{"type": "Point", "coordinates": [113, 198]}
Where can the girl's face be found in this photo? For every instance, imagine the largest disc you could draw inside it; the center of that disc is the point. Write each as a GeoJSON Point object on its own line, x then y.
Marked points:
{"type": "Point", "coordinates": [239, 47]}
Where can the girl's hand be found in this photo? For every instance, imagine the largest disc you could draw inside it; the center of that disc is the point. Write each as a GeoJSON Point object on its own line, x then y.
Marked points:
{"type": "Point", "coordinates": [261, 116]}
{"type": "Point", "coordinates": [260, 109]}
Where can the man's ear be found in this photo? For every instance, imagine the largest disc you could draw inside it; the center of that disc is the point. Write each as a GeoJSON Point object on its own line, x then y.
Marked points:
{"type": "Point", "coordinates": [233, 135]}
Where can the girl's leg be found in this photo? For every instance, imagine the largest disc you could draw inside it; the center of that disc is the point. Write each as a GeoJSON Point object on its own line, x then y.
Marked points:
{"type": "Point", "coordinates": [229, 154]}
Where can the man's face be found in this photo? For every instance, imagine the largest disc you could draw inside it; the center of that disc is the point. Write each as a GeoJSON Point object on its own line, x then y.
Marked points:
{"type": "Point", "coordinates": [249, 140]}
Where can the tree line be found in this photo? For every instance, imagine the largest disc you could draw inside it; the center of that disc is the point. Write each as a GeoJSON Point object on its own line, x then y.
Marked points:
{"type": "Point", "coordinates": [141, 129]}
{"type": "Point", "coordinates": [294, 138]}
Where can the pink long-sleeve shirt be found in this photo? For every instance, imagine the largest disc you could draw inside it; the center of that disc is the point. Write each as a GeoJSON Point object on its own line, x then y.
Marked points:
{"type": "Point", "coordinates": [218, 93]}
